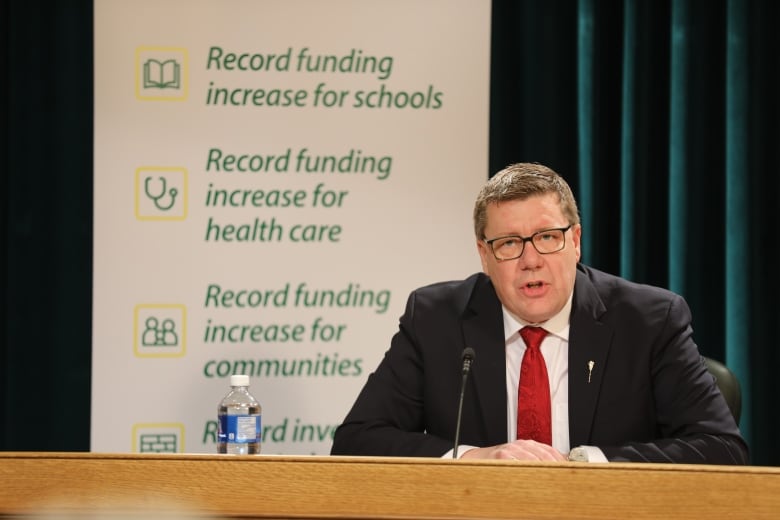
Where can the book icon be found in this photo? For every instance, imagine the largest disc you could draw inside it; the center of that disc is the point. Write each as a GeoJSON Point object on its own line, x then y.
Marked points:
{"type": "Point", "coordinates": [162, 74]}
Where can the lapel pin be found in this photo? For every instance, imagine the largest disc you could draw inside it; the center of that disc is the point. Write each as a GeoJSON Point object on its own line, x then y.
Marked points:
{"type": "Point", "coordinates": [591, 364]}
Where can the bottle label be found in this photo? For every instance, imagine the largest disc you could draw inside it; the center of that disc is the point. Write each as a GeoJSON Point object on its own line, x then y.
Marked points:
{"type": "Point", "coordinates": [239, 428]}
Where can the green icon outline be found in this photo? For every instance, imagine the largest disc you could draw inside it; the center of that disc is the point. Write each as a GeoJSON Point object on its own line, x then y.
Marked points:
{"type": "Point", "coordinates": [142, 190]}
{"type": "Point", "coordinates": [138, 348]}
{"type": "Point", "coordinates": [135, 448]}
{"type": "Point", "coordinates": [140, 70]}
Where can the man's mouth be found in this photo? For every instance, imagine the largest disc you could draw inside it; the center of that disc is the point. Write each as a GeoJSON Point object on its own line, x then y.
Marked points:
{"type": "Point", "coordinates": [534, 285]}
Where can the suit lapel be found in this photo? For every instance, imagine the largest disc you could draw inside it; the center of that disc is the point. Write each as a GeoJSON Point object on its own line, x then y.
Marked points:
{"type": "Point", "coordinates": [589, 343]}
{"type": "Point", "coordinates": [483, 331]}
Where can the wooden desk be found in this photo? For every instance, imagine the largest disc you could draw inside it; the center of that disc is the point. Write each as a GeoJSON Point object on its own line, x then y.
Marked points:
{"type": "Point", "coordinates": [351, 487]}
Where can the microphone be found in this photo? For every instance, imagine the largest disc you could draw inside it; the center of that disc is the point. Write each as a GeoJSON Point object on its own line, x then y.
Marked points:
{"type": "Point", "coordinates": [468, 359]}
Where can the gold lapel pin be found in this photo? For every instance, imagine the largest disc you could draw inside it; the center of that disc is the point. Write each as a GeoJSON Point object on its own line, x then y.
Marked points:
{"type": "Point", "coordinates": [591, 364]}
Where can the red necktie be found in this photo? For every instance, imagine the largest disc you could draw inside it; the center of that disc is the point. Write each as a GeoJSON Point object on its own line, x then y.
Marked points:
{"type": "Point", "coordinates": [533, 393]}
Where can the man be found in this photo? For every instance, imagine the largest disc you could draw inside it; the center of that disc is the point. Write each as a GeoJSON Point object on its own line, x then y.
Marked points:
{"type": "Point", "coordinates": [622, 377]}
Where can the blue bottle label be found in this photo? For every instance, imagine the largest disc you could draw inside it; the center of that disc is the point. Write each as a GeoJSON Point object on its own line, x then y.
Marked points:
{"type": "Point", "coordinates": [239, 428]}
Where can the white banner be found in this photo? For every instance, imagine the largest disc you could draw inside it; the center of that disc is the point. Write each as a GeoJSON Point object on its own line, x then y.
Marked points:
{"type": "Point", "coordinates": [272, 178]}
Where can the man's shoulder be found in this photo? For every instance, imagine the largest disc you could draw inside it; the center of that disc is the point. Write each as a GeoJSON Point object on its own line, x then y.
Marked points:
{"type": "Point", "coordinates": [613, 290]}
{"type": "Point", "coordinates": [466, 285]}
{"type": "Point", "coordinates": [604, 281]}
{"type": "Point", "coordinates": [456, 294]}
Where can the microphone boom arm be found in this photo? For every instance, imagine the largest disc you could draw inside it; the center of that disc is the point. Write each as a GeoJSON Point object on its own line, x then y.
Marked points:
{"type": "Point", "coordinates": [468, 359]}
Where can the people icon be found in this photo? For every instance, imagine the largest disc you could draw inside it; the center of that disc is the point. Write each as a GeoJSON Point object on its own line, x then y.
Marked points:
{"type": "Point", "coordinates": [158, 334]}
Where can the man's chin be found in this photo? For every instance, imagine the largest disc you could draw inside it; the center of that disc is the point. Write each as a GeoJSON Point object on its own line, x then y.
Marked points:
{"type": "Point", "coordinates": [534, 317]}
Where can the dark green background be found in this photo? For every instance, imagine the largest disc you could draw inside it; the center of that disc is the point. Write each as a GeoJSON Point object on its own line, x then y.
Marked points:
{"type": "Point", "coordinates": [663, 115]}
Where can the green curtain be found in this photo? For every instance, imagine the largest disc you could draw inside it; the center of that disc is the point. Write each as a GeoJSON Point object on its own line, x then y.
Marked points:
{"type": "Point", "coordinates": [664, 116]}
{"type": "Point", "coordinates": [737, 225]}
{"type": "Point", "coordinates": [46, 204]}
{"type": "Point", "coordinates": [673, 157]}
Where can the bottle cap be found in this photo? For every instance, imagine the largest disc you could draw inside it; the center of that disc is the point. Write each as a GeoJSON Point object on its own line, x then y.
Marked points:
{"type": "Point", "coordinates": [239, 380]}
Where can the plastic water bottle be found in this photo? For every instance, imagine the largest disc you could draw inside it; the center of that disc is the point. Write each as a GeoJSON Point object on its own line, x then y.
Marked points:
{"type": "Point", "coordinates": [239, 429]}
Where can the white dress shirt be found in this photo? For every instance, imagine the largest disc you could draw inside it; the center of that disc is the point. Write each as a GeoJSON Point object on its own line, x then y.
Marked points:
{"type": "Point", "coordinates": [555, 350]}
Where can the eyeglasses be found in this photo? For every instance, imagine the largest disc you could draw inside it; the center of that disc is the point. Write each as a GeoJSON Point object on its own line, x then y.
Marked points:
{"type": "Point", "coordinates": [545, 242]}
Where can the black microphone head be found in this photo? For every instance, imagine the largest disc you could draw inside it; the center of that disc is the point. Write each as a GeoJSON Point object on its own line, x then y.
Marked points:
{"type": "Point", "coordinates": [468, 354]}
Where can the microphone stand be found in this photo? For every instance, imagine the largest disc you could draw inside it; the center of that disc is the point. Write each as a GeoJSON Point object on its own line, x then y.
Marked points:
{"type": "Point", "coordinates": [468, 358]}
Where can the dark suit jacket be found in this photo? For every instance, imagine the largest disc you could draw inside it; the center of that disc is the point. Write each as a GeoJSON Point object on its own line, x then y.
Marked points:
{"type": "Point", "coordinates": [650, 397]}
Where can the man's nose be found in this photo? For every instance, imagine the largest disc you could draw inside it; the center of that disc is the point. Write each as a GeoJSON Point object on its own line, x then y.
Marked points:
{"type": "Point", "coordinates": [531, 258]}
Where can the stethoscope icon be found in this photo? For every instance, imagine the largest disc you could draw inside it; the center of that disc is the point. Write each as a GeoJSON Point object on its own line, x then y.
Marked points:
{"type": "Point", "coordinates": [156, 198]}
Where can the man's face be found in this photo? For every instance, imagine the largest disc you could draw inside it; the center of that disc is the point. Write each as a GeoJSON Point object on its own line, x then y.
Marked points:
{"type": "Point", "coordinates": [533, 287]}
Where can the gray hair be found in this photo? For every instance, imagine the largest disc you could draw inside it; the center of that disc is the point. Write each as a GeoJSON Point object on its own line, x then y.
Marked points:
{"type": "Point", "coordinates": [519, 182]}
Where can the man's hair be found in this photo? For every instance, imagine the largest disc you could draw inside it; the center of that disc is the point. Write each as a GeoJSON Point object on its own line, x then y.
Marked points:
{"type": "Point", "coordinates": [519, 182]}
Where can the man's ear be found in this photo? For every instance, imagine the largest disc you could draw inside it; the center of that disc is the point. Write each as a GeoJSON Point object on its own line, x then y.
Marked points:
{"type": "Point", "coordinates": [576, 233]}
{"type": "Point", "coordinates": [484, 252]}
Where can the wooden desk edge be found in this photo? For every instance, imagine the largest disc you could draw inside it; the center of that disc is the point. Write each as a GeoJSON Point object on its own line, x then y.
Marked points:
{"type": "Point", "coordinates": [275, 486]}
